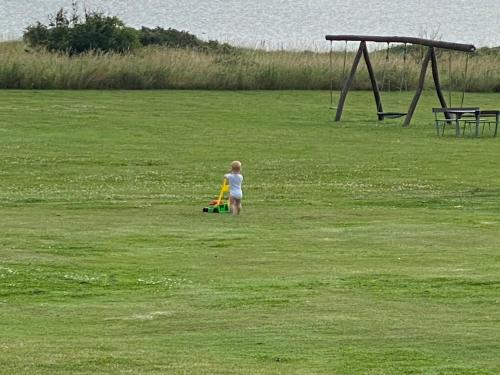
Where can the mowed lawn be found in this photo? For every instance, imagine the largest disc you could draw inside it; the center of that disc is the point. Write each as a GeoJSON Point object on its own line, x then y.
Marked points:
{"type": "Point", "coordinates": [363, 247]}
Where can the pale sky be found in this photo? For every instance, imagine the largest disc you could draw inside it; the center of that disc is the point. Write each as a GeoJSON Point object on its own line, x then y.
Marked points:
{"type": "Point", "coordinates": [287, 23]}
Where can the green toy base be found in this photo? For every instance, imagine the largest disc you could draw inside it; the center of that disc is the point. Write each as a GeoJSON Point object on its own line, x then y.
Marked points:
{"type": "Point", "coordinates": [220, 209]}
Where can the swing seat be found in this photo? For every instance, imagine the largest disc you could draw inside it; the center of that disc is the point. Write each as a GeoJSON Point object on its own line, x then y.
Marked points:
{"type": "Point", "coordinates": [391, 114]}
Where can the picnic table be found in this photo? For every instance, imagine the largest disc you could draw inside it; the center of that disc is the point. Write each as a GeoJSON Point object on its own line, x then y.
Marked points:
{"type": "Point", "coordinates": [466, 117]}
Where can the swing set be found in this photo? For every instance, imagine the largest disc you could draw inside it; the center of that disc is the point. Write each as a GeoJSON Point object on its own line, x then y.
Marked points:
{"type": "Point", "coordinates": [363, 52]}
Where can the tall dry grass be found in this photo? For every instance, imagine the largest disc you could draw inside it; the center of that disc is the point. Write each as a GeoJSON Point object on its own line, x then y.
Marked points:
{"type": "Point", "coordinates": [161, 68]}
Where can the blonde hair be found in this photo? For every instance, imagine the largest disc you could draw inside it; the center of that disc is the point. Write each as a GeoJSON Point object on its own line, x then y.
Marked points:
{"type": "Point", "coordinates": [236, 166]}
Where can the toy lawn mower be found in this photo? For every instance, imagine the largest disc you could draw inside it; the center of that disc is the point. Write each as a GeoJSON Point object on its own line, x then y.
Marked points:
{"type": "Point", "coordinates": [219, 206]}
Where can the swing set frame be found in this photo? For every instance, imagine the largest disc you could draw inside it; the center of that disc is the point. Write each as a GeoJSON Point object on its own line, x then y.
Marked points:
{"type": "Point", "coordinates": [429, 57]}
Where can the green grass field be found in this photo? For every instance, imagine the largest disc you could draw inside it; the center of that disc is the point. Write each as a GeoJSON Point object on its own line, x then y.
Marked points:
{"type": "Point", "coordinates": [363, 247]}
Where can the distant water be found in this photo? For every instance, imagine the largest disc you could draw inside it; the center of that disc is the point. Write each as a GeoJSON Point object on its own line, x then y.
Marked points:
{"type": "Point", "coordinates": [289, 24]}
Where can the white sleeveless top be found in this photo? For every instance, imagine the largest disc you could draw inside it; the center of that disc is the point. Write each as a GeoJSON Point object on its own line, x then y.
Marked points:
{"type": "Point", "coordinates": [235, 180]}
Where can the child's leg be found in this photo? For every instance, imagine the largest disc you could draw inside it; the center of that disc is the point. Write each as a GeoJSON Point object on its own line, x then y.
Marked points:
{"type": "Point", "coordinates": [232, 205]}
{"type": "Point", "coordinates": [237, 204]}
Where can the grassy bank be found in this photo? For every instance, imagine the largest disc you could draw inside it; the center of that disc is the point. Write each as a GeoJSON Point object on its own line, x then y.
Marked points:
{"type": "Point", "coordinates": [364, 248]}
{"type": "Point", "coordinates": [159, 68]}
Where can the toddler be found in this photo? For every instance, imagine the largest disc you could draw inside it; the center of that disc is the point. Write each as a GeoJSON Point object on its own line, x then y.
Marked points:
{"type": "Point", "coordinates": [235, 180]}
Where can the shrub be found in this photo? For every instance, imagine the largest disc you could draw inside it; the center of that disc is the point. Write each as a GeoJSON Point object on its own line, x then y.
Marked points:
{"type": "Point", "coordinates": [180, 39]}
{"type": "Point", "coordinates": [73, 35]}
{"type": "Point", "coordinates": [169, 37]}
{"type": "Point", "coordinates": [102, 33]}
{"type": "Point", "coordinates": [37, 35]}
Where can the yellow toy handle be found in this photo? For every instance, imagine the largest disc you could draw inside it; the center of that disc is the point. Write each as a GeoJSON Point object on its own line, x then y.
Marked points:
{"type": "Point", "coordinates": [224, 189]}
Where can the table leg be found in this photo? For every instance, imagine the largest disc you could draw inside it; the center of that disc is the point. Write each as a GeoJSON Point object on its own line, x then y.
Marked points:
{"type": "Point", "coordinates": [478, 118]}
{"type": "Point", "coordinates": [496, 124]}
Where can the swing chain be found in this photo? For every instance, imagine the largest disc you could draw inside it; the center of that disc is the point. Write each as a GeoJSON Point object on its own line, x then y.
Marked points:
{"type": "Point", "coordinates": [332, 75]}
{"type": "Point", "coordinates": [384, 72]}
{"type": "Point", "coordinates": [465, 79]}
{"type": "Point", "coordinates": [403, 82]}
